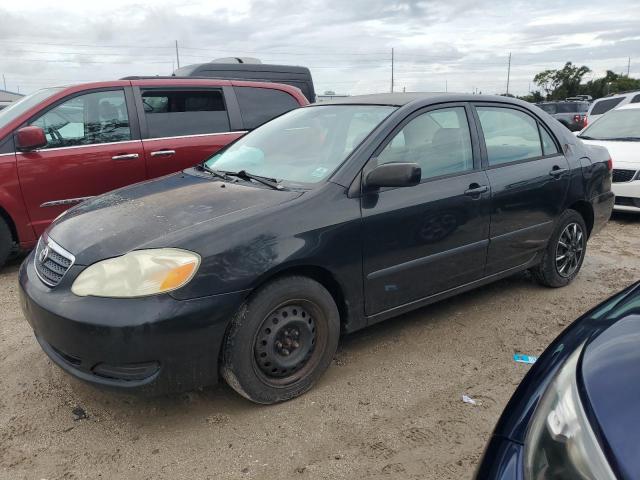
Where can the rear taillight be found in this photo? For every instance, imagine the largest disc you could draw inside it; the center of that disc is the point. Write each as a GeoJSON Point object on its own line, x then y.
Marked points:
{"type": "Point", "coordinates": [610, 164]}
{"type": "Point", "coordinates": [577, 118]}
{"type": "Point", "coordinates": [585, 121]}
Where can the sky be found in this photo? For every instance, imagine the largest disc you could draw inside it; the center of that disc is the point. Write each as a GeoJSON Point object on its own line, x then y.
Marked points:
{"type": "Point", "coordinates": [439, 45]}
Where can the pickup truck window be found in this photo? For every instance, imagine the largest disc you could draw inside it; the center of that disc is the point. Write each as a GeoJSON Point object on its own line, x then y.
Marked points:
{"type": "Point", "coordinates": [510, 135]}
{"type": "Point", "coordinates": [93, 118]}
{"type": "Point", "coordinates": [173, 113]}
{"type": "Point", "coordinates": [259, 105]}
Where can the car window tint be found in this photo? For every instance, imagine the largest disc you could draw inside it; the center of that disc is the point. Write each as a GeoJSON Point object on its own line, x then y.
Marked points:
{"type": "Point", "coordinates": [259, 105]}
{"type": "Point", "coordinates": [603, 106]}
{"type": "Point", "coordinates": [173, 113]}
{"type": "Point", "coordinates": [510, 135]}
{"type": "Point", "coordinates": [549, 147]}
{"type": "Point", "coordinates": [439, 141]}
{"type": "Point", "coordinates": [99, 117]}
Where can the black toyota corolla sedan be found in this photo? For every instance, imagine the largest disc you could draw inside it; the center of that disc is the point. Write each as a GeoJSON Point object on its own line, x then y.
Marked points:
{"type": "Point", "coordinates": [575, 414]}
{"type": "Point", "coordinates": [325, 220]}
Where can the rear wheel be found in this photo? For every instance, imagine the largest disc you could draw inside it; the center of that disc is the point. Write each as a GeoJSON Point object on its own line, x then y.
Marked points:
{"type": "Point", "coordinates": [281, 340]}
{"type": "Point", "coordinates": [565, 252]}
{"type": "Point", "coordinates": [6, 242]}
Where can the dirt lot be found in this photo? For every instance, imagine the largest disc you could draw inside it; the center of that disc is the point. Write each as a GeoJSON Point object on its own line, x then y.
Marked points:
{"type": "Point", "coordinates": [389, 407]}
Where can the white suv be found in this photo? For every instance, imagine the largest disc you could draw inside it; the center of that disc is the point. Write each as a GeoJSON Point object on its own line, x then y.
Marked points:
{"type": "Point", "coordinates": [603, 105]}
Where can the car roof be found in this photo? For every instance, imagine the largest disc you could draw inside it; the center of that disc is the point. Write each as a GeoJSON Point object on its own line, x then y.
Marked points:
{"type": "Point", "coordinates": [401, 99]}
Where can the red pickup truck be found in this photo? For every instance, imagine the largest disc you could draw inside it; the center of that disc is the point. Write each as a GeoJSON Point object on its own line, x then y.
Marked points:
{"type": "Point", "coordinates": [62, 145]}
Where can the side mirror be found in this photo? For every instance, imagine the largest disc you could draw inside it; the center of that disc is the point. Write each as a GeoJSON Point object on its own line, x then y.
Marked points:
{"type": "Point", "coordinates": [30, 138]}
{"type": "Point", "coordinates": [393, 175]}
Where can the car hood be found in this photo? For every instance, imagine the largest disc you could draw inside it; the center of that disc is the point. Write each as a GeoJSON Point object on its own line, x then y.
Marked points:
{"type": "Point", "coordinates": [623, 154]}
{"type": "Point", "coordinates": [611, 378]}
{"type": "Point", "coordinates": [156, 213]}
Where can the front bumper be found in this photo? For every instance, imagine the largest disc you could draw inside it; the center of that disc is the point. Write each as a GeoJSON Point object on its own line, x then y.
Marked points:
{"type": "Point", "coordinates": [154, 344]}
{"type": "Point", "coordinates": [627, 196]}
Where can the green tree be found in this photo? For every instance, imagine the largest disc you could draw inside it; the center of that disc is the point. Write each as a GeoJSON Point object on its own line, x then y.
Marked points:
{"type": "Point", "coordinates": [562, 83]}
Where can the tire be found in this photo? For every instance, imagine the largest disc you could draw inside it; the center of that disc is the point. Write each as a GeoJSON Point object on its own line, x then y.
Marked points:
{"type": "Point", "coordinates": [6, 242]}
{"type": "Point", "coordinates": [559, 264]}
{"type": "Point", "coordinates": [281, 340]}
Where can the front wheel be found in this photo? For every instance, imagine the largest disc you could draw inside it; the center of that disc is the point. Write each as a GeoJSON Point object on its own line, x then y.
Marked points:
{"type": "Point", "coordinates": [565, 252]}
{"type": "Point", "coordinates": [281, 340]}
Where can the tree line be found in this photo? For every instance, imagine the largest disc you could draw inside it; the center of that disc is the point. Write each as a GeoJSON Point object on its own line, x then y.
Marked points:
{"type": "Point", "coordinates": [567, 82]}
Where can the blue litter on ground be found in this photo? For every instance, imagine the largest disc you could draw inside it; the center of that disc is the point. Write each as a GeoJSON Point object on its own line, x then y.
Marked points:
{"type": "Point", "coordinates": [521, 358]}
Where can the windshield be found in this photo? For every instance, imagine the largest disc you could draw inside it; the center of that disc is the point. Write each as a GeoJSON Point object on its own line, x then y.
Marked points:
{"type": "Point", "coordinates": [617, 124]}
{"type": "Point", "coordinates": [16, 109]}
{"type": "Point", "coordinates": [303, 146]}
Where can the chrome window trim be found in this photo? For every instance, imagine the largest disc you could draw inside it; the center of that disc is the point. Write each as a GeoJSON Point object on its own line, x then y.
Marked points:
{"type": "Point", "coordinates": [195, 135]}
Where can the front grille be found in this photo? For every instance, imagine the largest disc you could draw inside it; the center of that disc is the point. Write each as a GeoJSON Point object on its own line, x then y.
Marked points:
{"type": "Point", "coordinates": [620, 176]}
{"type": "Point", "coordinates": [51, 261]}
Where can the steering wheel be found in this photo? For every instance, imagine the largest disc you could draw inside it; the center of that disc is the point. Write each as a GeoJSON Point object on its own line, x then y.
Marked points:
{"type": "Point", "coordinates": [55, 134]}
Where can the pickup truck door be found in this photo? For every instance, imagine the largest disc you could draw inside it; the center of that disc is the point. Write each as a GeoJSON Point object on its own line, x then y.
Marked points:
{"type": "Point", "coordinates": [184, 125]}
{"type": "Point", "coordinates": [93, 147]}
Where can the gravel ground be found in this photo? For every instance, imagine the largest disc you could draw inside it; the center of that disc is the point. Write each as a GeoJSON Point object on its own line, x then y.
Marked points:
{"type": "Point", "coordinates": [389, 407]}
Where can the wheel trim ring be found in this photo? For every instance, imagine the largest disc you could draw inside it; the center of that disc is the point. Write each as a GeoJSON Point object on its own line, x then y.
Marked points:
{"type": "Point", "coordinates": [569, 250]}
{"type": "Point", "coordinates": [321, 340]}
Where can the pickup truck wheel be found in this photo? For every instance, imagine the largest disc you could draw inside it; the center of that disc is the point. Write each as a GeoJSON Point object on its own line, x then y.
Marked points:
{"type": "Point", "coordinates": [6, 242]}
{"type": "Point", "coordinates": [281, 340]}
{"type": "Point", "coordinates": [565, 252]}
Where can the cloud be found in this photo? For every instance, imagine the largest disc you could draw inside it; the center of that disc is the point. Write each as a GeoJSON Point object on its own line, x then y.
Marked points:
{"type": "Point", "coordinates": [462, 44]}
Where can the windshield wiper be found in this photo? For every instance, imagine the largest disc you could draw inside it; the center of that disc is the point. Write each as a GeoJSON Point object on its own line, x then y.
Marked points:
{"type": "Point", "coordinates": [203, 166]}
{"type": "Point", "coordinates": [270, 182]}
{"type": "Point", "coordinates": [586, 137]}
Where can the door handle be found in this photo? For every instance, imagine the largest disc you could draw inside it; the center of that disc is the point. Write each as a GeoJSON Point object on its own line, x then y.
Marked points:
{"type": "Point", "coordinates": [163, 153]}
{"type": "Point", "coordinates": [556, 171]}
{"type": "Point", "coordinates": [125, 156]}
{"type": "Point", "coordinates": [475, 190]}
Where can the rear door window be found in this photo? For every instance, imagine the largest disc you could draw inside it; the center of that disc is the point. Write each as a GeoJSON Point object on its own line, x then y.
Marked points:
{"type": "Point", "coordinates": [550, 108]}
{"type": "Point", "coordinates": [510, 135]}
{"type": "Point", "coordinates": [93, 118]}
{"type": "Point", "coordinates": [636, 99]}
{"type": "Point", "coordinates": [174, 113]}
{"type": "Point", "coordinates": [259, 105]}
{"type": "Point", "coordinates": [603, 106]}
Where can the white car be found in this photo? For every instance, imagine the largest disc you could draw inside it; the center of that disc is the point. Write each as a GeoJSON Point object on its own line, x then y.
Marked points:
{"type": "Point", "coordinates": [605, 104]}
{"type": "Point", "coordinates": [619, 131]}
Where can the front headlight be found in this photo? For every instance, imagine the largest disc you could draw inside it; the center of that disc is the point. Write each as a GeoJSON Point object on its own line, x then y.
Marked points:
{"type": "Point", "coordinates": [138, 273]}
{"type": "Point", "coordinates": [560, 443]}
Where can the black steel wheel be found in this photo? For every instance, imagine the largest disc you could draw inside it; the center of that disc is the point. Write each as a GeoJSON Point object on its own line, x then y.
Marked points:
{"type": "Point", "coordinates": [281, 341]}
{"type": "Point", "coordinates": [565, 251]}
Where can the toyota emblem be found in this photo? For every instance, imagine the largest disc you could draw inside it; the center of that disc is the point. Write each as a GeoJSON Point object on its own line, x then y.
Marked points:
{"type": "Point", "coordinates": [44, 253]}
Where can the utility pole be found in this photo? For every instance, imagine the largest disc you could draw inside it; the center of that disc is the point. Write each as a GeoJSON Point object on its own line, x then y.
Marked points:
{"type": "Point", "coordinates": [629, 66]}
{"type": "Point", "coordinates": [392, 69]}
{"type": "Point", "coordinates": [508, 73]}
{"type": "Point", "coordinates": [4, 80]}
{"type": "Point", "coordinates": [177, 55]}
{"type": "Point", "coordinates": [446, 86]}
